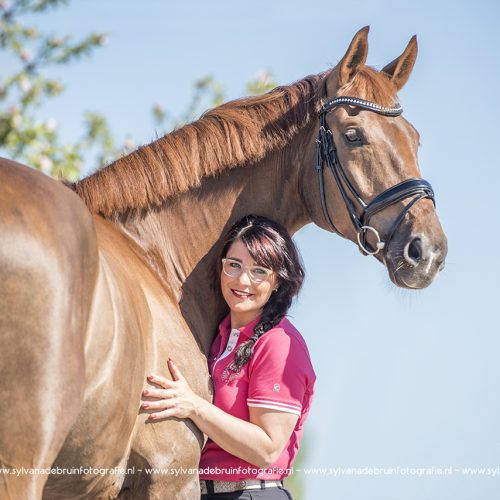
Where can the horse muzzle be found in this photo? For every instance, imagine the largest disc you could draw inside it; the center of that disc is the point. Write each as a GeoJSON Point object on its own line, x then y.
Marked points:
{"type": "Point", "coordinates": [415, 262]}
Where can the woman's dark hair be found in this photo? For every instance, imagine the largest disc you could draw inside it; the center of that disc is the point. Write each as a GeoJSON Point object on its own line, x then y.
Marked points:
{"type": "Point", "coordinates": [270, 246]}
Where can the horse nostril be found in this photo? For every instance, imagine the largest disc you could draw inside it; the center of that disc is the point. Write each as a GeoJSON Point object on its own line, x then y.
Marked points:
{"type": "Point", "coordinates": [415, 250]}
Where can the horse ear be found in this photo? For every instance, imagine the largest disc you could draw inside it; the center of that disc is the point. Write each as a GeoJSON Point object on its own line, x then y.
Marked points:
{"type": "Point", "coordinates": [355, 57]}
{"type": "Point", "coordinates": [400, 69]}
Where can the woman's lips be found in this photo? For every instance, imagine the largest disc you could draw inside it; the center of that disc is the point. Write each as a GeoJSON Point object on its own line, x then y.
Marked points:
{"type": "Point", "coordinates": [241, 295]}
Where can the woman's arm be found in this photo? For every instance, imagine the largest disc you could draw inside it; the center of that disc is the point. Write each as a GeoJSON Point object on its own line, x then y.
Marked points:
{"type": "Point", "coordinates": [259, 442]}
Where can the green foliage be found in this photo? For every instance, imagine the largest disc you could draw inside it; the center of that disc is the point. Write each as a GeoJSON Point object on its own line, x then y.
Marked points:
{"type": "Point", "coordinates": [27, 138]}
{"type": "Point", "coordinates": [263, 82]}
{"type": "Point", "coordinates": [23, 136]}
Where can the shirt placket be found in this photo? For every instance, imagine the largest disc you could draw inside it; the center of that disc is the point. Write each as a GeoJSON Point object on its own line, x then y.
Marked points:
{"type": "Point", "coordinates": [231, 344]}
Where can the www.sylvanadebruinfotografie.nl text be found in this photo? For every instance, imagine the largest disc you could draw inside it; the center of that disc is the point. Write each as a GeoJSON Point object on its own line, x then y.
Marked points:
{"type": "Point", "coordinates": [365, 471]}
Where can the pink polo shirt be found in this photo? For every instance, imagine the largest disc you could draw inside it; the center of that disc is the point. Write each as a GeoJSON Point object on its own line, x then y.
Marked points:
{"type": "Point", "coordinates": [279, 376]}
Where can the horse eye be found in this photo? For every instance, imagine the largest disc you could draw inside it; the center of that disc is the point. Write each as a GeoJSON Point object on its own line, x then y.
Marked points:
{"type": "Point", "coordinates": [351, 135]}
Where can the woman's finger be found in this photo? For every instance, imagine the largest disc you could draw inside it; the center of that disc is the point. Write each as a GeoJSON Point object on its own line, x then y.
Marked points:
{"type": "Point", "coordinates": [159, 393]}
{"type": "Point", "coordinates": [159, 405]}
{"type": "Point", "coordinates": [171, 412]}
{"type": "Point", "coordinates": [160, 380]}
{"type": "Point", "coordinates": [176, 374]}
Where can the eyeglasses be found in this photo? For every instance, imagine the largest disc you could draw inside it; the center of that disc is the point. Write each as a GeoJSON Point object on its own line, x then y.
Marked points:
{"type": "Point", "coordinates": [234, 268]}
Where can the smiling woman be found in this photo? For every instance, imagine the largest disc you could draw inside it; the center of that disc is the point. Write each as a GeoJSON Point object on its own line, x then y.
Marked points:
{"type": "Point", "coordinates": [261, 371]}
{"type": "Point", "coordinates": [246, 287]}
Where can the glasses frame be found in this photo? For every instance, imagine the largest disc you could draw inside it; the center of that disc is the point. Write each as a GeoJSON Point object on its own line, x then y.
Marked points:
{"type": "Point", "coordinates": [246, 269]}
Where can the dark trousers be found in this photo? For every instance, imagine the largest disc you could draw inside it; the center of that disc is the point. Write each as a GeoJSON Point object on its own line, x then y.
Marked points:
{"type": "Point", "coordinates": [276, 493]}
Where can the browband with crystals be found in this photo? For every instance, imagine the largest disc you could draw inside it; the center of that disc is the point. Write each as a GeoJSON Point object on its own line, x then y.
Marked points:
{"type": "Point", "coordinates": [362, 103]}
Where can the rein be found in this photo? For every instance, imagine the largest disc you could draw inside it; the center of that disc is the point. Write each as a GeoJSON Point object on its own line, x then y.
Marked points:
{"type": "Point", "coordinates": [416, 189]}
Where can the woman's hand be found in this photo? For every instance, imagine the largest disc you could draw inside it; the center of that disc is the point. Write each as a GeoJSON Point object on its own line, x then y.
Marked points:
{"type": "Point", "coordinates": [259, 441]}
{"type": "Point", "coordinates": [174, 399]}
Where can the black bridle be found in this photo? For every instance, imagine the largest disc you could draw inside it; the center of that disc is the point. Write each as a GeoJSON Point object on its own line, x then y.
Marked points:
{"type": "Point", "coordinates": [327, 152]}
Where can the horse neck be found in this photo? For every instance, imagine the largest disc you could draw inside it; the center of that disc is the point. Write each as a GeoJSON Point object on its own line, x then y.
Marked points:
{"type": "Point", "coordinates": [180, 239]}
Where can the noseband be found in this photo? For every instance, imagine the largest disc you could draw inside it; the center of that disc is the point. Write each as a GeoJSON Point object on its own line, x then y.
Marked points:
{"type": "Point", "coordinates": [416, 189]}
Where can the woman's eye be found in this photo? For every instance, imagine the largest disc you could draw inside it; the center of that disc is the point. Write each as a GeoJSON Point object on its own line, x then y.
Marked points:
{"type": "Point", "coordinates": [351, 135]}
{"type": "Point", "coordinates": [235, 265]}
{"type": "Point", "coordinates": [259, 271]}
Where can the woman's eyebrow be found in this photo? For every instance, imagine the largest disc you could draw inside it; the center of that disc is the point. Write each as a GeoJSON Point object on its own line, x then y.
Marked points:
{"type": "Point", "coordinates": [239, 260]}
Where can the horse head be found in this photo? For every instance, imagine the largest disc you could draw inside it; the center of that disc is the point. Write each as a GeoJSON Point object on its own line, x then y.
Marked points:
{"type": "Point", "coordinates": [369, 188]}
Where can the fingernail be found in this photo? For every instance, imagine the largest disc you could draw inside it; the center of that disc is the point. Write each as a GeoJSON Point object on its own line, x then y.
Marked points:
{"type": "Point", "coordinates": [152, 417]}
{"type": "Point", "coordinates": [144, 406]}
{"type": "Point", "coordinates": [145, 392]}
{"type": "Point", "coordinates": [170, 360]}
{"type": "Point", "coordinates": [150, 377]}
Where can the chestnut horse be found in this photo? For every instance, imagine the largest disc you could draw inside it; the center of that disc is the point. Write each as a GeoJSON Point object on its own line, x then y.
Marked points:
{"type": "Point", "coordinates": [104, 281]}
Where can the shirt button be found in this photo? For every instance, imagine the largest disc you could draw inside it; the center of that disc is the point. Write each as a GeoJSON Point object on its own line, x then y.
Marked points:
{"type": "Point", "coordinates": [229, 348]}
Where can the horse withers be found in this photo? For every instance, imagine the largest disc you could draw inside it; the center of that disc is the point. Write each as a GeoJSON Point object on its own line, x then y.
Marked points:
{"type": "Point", "coordinates": [101, 283]}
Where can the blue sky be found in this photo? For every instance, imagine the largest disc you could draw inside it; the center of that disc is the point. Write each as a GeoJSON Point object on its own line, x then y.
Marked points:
{"type": "Point", "coordinates": [404, 378]}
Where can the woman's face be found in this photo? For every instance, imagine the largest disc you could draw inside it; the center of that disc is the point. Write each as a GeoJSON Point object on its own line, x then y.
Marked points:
{"type": "Point", "coordinates": [244, 297]}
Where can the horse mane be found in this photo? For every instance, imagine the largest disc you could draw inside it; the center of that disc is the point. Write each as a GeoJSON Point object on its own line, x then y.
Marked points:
{"type": "Point", "coordinates": [234, 134]}
{"type": "Point", "coordinates": [228, 136]}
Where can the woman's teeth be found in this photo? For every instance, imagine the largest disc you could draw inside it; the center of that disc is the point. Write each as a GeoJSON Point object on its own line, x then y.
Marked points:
{"type": "Point", "coordinates": [241, 294]}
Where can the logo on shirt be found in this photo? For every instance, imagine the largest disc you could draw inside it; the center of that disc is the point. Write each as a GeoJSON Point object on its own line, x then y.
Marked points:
{"type": "Point", "coordinates": [276, 388]}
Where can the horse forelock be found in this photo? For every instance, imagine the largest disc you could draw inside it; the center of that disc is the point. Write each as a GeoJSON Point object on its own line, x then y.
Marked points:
{"type": "Point", "coordinates": [234, 134]}
{"type": "Point", "coordinates": [370, 84]}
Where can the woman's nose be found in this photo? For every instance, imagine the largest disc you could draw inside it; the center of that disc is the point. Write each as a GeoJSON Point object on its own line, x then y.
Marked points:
{"type": "Point", "coordinates": [244, 278]}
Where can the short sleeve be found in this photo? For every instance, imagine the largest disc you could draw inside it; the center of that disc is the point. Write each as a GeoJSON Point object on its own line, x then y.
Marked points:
{"type": "Point", "coordinates": [279, 372]}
